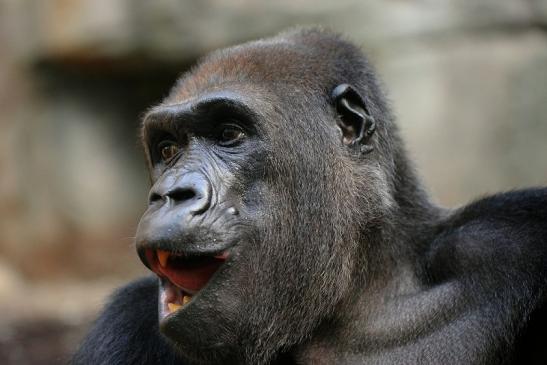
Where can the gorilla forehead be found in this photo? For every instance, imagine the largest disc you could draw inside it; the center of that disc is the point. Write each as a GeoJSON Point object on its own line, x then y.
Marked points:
{"type": "Point", "coordinates": [309, 60]}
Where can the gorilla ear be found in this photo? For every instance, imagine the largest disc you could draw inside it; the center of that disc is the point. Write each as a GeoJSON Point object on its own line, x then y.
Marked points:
{"type": "Point", "coordinates": [354, 120]}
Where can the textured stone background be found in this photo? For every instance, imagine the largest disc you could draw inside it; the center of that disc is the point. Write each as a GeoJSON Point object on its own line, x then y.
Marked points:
{"type": "Point", "coordinates": [468, 81]}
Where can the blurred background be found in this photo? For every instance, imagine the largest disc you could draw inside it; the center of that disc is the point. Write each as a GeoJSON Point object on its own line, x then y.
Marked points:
{"type": "Point", "coordinates": [468, 82]}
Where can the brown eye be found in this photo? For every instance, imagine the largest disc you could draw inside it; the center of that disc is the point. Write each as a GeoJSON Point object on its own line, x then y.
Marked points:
{"type": "Point", "coordinates": [231, 135]}
{"type": "Point", "coordinates": [168, 150]}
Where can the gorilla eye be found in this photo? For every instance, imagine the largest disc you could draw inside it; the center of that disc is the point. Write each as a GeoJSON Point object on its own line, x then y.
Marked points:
{"type": "Point", "coordinates": [168, 150]}
{"type": "Point", "coordinates": [230, 135]}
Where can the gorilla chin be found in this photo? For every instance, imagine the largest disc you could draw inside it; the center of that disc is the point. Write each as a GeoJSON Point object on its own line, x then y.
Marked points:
{"type": "Point", "coordinates": [286, 225]}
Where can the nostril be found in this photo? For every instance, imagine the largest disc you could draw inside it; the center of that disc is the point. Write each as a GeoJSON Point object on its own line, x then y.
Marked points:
{"type": "Point", "coordinates": [190, 192]}
{"type": "Point", "coordinates": [181, 195]}
{"type": "Point", "coordinates": [154, 197]}
{"type": "Point", "coordinates": [177, 195]}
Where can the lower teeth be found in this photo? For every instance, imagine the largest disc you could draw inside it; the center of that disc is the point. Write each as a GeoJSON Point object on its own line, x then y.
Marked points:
{"type": "Point", "coordinates": [175, 306]}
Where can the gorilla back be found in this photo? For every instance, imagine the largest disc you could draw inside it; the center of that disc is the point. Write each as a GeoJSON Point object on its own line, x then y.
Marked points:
{"type": "Point", "coordinates": [286, 225]}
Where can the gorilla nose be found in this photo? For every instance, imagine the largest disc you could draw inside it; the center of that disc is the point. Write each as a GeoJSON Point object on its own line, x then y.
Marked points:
{"type": "Point", "coordinates": [191, 191]}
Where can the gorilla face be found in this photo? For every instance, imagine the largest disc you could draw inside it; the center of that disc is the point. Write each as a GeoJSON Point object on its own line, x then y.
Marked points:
{"type": "Point", "coordinates": [197, 223]}
{"type": "Point", "coordinates": [257, 205]}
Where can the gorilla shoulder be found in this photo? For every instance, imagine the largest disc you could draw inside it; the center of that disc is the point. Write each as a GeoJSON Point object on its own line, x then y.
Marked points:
{"type": "Point", "coordinates": [499, 234]}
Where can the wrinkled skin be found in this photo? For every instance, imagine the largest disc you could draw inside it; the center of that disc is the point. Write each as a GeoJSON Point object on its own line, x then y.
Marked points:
{"type": "Point", "coordinates": [280, 184]}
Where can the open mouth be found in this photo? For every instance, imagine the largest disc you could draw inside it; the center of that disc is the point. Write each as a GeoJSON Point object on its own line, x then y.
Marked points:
{"type": "Point", "coordinates": [182, 276]}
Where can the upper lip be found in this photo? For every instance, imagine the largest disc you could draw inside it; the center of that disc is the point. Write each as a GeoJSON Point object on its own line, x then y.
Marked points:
{"type": "Point", "coordinates": [148, 260]}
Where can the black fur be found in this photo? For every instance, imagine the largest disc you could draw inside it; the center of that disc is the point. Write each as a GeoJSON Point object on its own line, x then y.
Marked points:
{"type": "Point", "coordinates": [337, 254]}
{"type": "Point", "coordinates": [128, 332]}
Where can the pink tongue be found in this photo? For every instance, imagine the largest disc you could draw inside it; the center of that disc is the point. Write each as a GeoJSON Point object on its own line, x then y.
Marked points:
{"type": "Point", "coordinates": [191, 278]}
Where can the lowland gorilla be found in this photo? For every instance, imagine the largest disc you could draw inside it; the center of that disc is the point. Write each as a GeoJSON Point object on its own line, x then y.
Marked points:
{"type": "Point", "coordinates": [286, 225]}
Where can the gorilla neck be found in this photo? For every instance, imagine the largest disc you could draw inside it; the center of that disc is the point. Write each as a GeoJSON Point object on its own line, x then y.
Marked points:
{"type": "Point", "coordinates": [389, 301]}
{"type": "Point", "coordinates": [390, 279]}
{"type": "Point", "coordinates": [405, 231]}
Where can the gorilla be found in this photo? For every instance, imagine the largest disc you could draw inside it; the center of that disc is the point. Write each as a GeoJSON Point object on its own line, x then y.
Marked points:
{"type": "Point", "coordinates": [286, 225]}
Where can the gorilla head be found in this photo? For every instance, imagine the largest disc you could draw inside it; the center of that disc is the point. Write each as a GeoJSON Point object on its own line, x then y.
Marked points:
{"type": "Point", "coordinates": [273, 167]}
